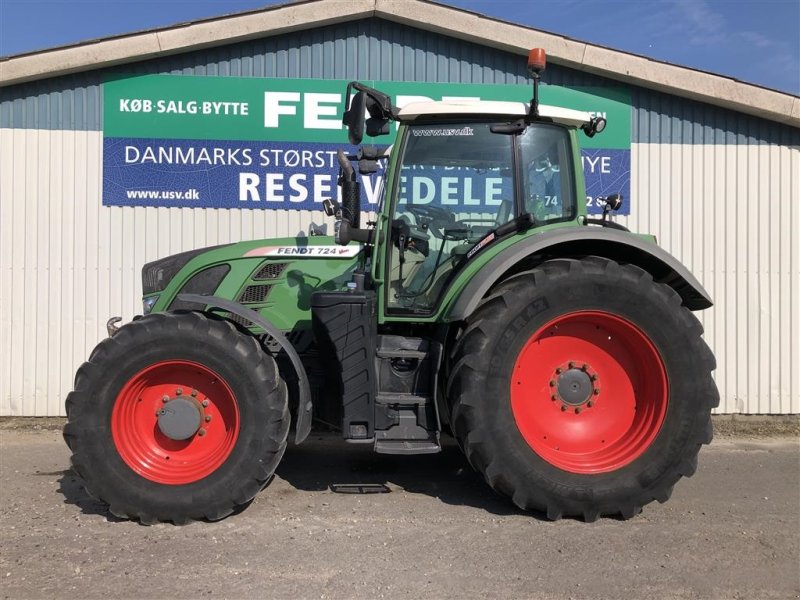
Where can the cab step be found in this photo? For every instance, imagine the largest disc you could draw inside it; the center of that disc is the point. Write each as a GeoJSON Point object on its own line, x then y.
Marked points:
{"type": "Point", "coordinates": [407, 435]}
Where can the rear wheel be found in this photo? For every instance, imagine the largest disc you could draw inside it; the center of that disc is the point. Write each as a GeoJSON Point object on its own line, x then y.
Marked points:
{"type": "Point", "coordinates": [177, 417]}
{"type": "Point", "coordinates": [597, 393]}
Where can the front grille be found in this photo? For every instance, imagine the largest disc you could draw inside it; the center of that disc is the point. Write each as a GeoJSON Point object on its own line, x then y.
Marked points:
{"type": "Point", "coordinates": [270, 270]}
{"type": "Point", "coordinates": [253, 294]}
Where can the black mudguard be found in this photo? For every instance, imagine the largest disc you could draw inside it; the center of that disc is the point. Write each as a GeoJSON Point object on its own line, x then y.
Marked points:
{"type": "Point", "coordinates": [576, 241]}
{"type": "Point", "coordinates": [304, 405]}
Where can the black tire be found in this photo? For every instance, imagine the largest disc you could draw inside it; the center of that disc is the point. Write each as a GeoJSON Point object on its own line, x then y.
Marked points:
{"type": "Point", "coordinates": [479, 387]}
{"type": "Point", "coordinates": [258, 392]}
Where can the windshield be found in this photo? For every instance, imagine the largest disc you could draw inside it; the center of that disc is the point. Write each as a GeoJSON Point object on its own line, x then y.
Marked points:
{"type": "Point", "coordinates": [455, 185]}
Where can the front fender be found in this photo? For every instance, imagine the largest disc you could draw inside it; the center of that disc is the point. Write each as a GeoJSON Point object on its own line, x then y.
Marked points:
{"type": "Point", "coordinates": [583, 241]}
{"type": "Point", "coordinates": [304, 404]}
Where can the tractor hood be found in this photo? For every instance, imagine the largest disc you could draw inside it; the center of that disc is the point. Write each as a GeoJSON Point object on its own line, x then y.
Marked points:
{"type": "Point", "coordinates": [278, 274]}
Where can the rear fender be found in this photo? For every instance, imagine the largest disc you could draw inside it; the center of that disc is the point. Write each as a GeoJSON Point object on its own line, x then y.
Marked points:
{"type": "Point", "coordinates": [304, 405]}
{"type": "Point", "coordinates": [582, 241]}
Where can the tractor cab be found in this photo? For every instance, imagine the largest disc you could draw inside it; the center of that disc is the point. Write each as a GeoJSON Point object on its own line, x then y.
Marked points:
{"type": "Point", "coordinates": [462, 176]}
{"type": "Point", "coordinates": [458, 181]}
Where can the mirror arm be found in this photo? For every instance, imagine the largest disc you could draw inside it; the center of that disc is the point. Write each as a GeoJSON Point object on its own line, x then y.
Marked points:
{"type": "Point", "coordinates": [383, 101]}
{"type": "Point", "coordinates": [346, 233]}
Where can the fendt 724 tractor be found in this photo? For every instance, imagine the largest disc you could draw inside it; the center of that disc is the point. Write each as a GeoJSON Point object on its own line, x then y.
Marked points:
{"type": "Point", "coordinates": [559, 350]}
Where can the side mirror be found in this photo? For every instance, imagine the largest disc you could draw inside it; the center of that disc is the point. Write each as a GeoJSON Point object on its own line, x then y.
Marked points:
{"type": "Point", "coordinates": [614, 202]}
{"type": "Point", "coordinates": [377, 126]}
{"type": "Point", "coordinates": [353, 118]}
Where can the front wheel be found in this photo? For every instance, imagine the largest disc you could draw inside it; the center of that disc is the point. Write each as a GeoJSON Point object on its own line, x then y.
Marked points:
{"type": "Point", "coordinates": [596, 395]}
{"type": "Point", "coordinates": [177, 417]}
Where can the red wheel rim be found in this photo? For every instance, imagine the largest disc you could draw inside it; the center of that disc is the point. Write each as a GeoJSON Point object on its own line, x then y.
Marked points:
{"type": "Point", "coordinates": [141, 443]}
{"type": "Point", "coordinates": [605, 426]}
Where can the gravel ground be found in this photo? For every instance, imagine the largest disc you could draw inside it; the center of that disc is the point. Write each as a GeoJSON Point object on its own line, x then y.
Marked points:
{"type": "Point", "coordinates": [732, 531]}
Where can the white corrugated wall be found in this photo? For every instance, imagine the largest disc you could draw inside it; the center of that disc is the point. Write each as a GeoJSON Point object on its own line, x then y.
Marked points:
{"type": "Point", "coordinates": [68, 263]}
{"type": "Point", "coordinates": [731, 213]}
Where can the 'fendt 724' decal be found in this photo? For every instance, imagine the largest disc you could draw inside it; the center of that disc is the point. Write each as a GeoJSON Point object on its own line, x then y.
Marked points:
{"type": "Point", "coordinates": [306, 251]}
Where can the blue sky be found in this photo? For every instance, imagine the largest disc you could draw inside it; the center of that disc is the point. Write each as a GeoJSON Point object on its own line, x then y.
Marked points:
{"type": "Point", "coordinates": [755, 41]}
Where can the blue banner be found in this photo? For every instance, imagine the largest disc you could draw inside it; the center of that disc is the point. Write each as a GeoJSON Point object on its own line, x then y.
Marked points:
{"type": "Point", "coordinates": [294, 176]}
{"type": "Point", "coordinates": [606, 172]}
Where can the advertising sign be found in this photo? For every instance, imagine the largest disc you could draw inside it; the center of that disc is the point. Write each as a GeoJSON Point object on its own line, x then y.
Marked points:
{"type": "Point", "coordinates": [251, 143]}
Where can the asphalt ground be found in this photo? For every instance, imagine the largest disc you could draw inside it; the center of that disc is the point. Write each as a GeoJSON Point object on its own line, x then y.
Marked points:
{"type": "Point", "coordinates": [731, 531]}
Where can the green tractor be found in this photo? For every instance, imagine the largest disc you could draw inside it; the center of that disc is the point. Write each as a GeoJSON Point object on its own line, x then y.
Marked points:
{"type": "Point", "coordinates": [559, 350]}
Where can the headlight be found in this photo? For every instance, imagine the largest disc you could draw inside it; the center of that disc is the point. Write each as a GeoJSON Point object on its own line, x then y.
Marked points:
{"type": "Point", "coordinates": [148, 303]}
{"type": "Point", "coordinates": [157, 274]}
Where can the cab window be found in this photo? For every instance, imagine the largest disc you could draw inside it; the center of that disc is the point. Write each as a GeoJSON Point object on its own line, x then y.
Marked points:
{"type": "Point", "coordinates": [455, 185]}
{"type": "Point", "coordinates": [546, 161]}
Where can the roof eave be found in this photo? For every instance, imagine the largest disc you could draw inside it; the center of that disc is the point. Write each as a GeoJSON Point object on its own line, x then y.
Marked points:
{"type": "Point", "coordinates": [185, 37]}
{"type": "Point", "coordinates": [606, 62]}
{"type": "Point", "coordinates": [422, 14]}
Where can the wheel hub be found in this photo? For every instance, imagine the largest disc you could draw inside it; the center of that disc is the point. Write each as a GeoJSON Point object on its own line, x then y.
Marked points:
{"type": "Point", "coordinates": [180, 418]}
{"type": "Point", "coordinates": [574, 387]}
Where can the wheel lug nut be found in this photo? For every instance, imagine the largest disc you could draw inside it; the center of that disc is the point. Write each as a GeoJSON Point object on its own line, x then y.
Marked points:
{"type": "Point", "coordinates": [590, 404]}
{"type": "Point", "coordinates": [571, 365]}
{"type": "Point", "coordinates": [563, 408]}
{"type": "Point", "coordinates": [194, 393]}
{"type": "Point", "coordinates": [208, 418]}
{"type": "Point", "coordinates": [165, 398]}
{"type": "Point", "coordinates": [179, 391]}
{"type": "Point", "coordinates": [205, 403]}
{"type": "Point", "coordinates": [577, 411]}
{"type": "Point", "coordinates": [596, 391]}
{"type": "Point", "coordinates": [558, 371]}
{"type": "Point", "coordinates": [201, 432]}
{"type": "Point", "coordinates": [594, 377]}
{"type": "Point", "coordinates": [553, 397]}
{"type": "Point", "coordinates": [552, 383]}
{"type": "Point", "coordinates": [585, 367]}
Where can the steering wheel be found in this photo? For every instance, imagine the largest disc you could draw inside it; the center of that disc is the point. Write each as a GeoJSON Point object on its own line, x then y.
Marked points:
{"type": "Point", "coordinates": [434, 217]}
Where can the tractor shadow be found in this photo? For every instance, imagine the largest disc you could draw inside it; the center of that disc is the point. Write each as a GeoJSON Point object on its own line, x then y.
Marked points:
{"type": "Point", "coordinates": [325, 460]}
{"type": "Point", "coordinates": [70, 485]}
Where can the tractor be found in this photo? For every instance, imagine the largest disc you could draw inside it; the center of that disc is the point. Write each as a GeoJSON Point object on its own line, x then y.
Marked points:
{"type": "Point", "coordinates": [480, 301]}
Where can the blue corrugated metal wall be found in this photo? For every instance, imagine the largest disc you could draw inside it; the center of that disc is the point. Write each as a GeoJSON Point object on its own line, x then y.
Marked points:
{"type": "Point", "coordinates": [377, 49]}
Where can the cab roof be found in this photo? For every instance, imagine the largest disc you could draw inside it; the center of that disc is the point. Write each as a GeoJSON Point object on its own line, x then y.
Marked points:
{"type": "Point", "coordinates": [490, 108]}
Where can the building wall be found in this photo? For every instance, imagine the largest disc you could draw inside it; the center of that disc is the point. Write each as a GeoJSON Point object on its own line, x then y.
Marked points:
{"type": "Point", "coordinates": [721, 190]}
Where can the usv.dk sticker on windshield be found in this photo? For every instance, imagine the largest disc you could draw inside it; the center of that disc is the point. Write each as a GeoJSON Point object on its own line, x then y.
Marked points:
{"type": "Point", "coordinates": [443, 132]}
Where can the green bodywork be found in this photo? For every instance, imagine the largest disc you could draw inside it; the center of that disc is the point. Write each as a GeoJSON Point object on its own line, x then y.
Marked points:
{"type": "Point", "coordinates": [288, 303]}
